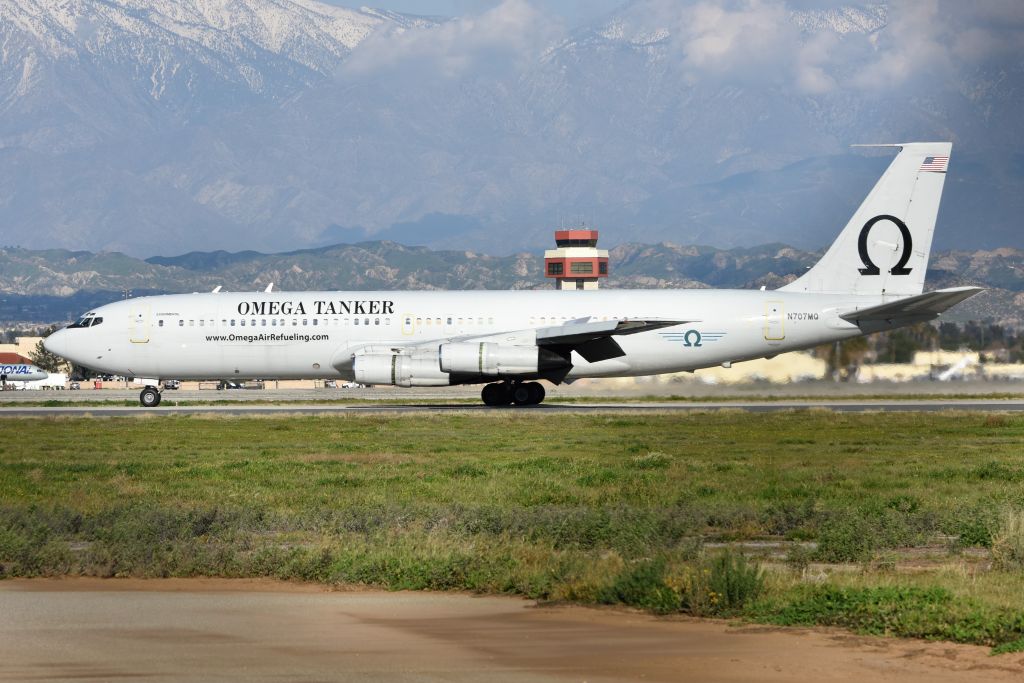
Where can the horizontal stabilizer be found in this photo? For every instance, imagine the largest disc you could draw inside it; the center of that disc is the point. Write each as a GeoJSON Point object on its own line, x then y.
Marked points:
{"type": "Point", "coordinates": [919, 308]}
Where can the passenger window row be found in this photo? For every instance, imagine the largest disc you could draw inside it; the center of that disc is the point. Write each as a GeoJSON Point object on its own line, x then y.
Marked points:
{"type": "Point", "coordinates": [271, 322]}
{"type": "Point", "coordinates": [450, 321]}
{"type": "Point", "coordinates": [328, 322]}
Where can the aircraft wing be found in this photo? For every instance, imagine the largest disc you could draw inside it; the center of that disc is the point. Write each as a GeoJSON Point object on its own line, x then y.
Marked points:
{"type": "Point", "coordinates": [595, 340]}
{"type": "Point", "coordinates": [917, 308]}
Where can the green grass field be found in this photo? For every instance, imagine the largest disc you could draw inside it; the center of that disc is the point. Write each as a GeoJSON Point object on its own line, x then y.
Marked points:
{"type": "Point", "coordinates": [894, 523]}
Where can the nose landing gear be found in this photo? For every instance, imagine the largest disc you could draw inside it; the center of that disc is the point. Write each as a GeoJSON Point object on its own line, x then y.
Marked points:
{"type": "Point", "coordinates": [149, 397]}
{"type": "Point", "coordinates": [519, 393]}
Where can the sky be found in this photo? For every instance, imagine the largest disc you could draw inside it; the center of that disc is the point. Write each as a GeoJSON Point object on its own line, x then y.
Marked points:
{"type": "Point", "coordinates": [509, 114]}
{"type": "Point", "coordinates": [928, 44]}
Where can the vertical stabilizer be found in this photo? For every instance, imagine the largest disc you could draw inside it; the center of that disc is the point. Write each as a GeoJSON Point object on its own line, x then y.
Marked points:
{"type": "Point", "coordinates": [884, 248]}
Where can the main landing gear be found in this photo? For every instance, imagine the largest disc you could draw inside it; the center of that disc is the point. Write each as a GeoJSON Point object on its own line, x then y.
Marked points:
{"type": "Point", "coordinates": [519, 393]}
{"type": "Point", "coordinates": [149, 397]}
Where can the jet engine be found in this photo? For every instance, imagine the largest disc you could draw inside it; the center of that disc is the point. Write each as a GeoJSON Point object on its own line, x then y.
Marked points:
{"type": "Point", "coordinates": [497, 360]}
{"type": "Point", "coordinates": [460, 361]}
{"type": "Point", "coordinates": [400, 370]}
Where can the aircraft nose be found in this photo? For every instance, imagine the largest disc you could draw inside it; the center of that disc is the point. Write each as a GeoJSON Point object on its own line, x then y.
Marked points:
{"type": "Point", "coordinates": [57, 343]}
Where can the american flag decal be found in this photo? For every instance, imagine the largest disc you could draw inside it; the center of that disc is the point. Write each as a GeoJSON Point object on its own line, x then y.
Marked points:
{"type": "Point", "coordinates": [935, 164]}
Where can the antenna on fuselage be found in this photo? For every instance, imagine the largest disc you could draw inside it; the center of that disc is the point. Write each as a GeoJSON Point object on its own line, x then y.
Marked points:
{"type": "Point", "coordinates": [216, 290]}
{"type": "Point", "coordinates": [269, 288]}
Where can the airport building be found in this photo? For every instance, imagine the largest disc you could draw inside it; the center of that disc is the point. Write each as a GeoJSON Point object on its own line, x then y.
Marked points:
{"type": "Point", "coordinates": [576, 262]}
{"type": "Point", "coordinates": [21, 348]}
{"type": "Point", "coordinates": [9, 358]}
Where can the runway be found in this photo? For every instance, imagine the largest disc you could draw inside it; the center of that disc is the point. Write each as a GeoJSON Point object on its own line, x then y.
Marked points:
{"type": "Point", "coordinates": [235, 409]}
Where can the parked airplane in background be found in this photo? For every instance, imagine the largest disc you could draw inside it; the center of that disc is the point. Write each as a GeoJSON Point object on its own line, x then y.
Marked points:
{"type": "Point", "coordinates": [21, 372]}
{"type": "Point", "coordinates": [870, 279]}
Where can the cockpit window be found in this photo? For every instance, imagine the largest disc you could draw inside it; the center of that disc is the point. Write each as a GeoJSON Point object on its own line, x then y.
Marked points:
{"type": "Point", "coordinates": [96, 321]}
{"type": "Point", "coordinates": [84, 321]}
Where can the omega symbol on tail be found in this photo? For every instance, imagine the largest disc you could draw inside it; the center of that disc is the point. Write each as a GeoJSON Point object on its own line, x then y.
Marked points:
{"type": "Point", "coordinates": [862, 246]}
{"type": "Point", "coordinates": [692, 338]}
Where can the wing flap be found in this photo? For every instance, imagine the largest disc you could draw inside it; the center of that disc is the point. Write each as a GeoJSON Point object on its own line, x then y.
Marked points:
{"type": "Point", "coordinates": [595, 341]}
{"type": "Point", "coordinates": [581, 331]}
{"type": "Point", "coordinates": [920, 307]}
{"type": "Point", "coordinates": [602, 348]}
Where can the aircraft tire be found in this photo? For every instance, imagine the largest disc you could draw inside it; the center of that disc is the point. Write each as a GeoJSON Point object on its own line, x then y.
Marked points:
{"type": "Point", "coordinates": [537, 392]}
{"type": "Point", "coordinates": [522, 394]}
{"type": "Point", "coordinates": [496, 394]}
{"type": "Point", "coordinates": [149, 397]}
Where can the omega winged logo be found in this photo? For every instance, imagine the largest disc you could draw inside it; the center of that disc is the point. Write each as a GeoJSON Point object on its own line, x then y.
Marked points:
{"type": "Point", "coordinates": [862, 246]}
{"type": "Point", "coordinates": [692, 338]}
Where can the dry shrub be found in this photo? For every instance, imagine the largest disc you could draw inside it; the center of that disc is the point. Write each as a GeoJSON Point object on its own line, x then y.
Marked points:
{"type": "Point", "coordinates": [1008, 541]}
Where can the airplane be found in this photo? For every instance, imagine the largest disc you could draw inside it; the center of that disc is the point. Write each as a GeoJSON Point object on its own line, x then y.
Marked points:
{"type": "Point", "coordinates": [871, 279]}
{"type": "Point", "coordinates": [21, 372]}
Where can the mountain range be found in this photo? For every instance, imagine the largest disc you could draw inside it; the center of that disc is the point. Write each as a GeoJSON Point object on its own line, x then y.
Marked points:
{"type": "Point", "coordinates": [46, 286]}
{"type": "Point", "coordinates": [164, 126]}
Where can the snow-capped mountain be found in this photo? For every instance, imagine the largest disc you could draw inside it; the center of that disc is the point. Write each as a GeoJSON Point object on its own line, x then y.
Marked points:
{"type": "Point", "coordinates": [164, 41]}
{"type": "Point", "coordinates": [96, 66]}
{"type": "Point", "coordinates": [163, 126]}
{"type": "Point", "coordinates": [842, 20]}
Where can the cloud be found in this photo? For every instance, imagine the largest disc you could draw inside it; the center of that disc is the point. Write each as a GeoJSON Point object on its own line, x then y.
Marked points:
{"type": "Point", "coordinates": [763, 41]}
{"type": "Point", "coordinates": [811, 64]}
{"type": "Point", "coordinates": [808, 47]}
{"type": "Point", "coordinates": [914, 43]}
{"type": "Point", "coordinates": [979, 32]}
{"type": "Point", "coordinates": [935, 43]}
{"type": "Point", "coordinates": [509, 35]}
{"type": "Point", "coordinates": [718, 39]}
{"type": "Point", "coordinates": [748, 42]}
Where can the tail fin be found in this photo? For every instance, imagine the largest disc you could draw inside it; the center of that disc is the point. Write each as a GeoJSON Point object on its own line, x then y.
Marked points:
{"type": "Point", "coordinates": [884, 248]}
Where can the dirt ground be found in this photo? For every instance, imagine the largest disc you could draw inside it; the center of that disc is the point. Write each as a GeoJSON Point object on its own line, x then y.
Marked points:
{"type": "Point", "coordinates": [230, 630]}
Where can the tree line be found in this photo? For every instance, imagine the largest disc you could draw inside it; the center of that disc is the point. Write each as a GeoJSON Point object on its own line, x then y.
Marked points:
{"type": "Point", "coordinates": [996, 343]}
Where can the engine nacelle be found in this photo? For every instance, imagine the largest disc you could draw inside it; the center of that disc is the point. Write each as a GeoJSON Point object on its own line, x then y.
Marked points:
{"type": "Point", "coordinates": [400, 370]}
{"type": "Point", "coordinates": [497, 360]}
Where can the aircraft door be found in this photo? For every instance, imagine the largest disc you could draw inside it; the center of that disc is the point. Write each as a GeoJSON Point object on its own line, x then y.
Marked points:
{"type": "Point", "coordinates": [139, 323]}
{"type": "Point", "coordinates": [773, 317]}
{"type": "Point", "coordinates": [408, 326]}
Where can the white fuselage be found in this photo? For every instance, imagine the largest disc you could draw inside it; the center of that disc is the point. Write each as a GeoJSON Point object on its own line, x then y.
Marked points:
{"type": "Point", "coordinates": [281, 335]}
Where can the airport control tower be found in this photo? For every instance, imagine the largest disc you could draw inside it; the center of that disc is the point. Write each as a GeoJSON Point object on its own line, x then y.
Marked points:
{"type": "Point", "coordinates": [576, 263]}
